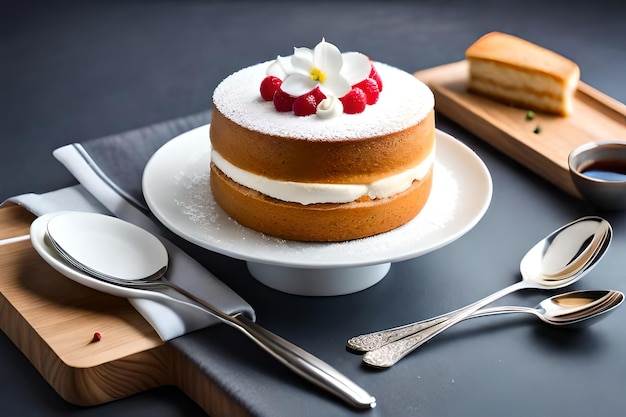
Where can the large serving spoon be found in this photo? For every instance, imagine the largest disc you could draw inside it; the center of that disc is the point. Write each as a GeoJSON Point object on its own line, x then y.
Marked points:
{"type": "Point", "coordinates": [120, 253]}
{"type": "Point", "coordinates": [575, 308]}
{"type": "Point", "coordinates": [558, 260]}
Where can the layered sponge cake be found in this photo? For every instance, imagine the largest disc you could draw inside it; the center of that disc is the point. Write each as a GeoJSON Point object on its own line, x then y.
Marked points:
{"type": "Point", "coordinates": [517, 72]}
{"type": "Point", "coordinates": [322, 146]}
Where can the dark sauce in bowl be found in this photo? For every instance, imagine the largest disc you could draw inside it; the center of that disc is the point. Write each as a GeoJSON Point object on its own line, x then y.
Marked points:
{"type": "Point", "coordinates": [614, 171]}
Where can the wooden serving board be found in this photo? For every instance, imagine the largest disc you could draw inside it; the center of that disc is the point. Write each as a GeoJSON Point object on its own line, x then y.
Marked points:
{"type": "Point", "coordinates": [52, 320]}
{"type": "Point", "coordinates": [596, 117]}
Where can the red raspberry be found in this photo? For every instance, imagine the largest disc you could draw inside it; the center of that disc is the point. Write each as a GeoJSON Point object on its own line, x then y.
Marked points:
{"type": "Point", "coordinates": [269, 85]}
{"type": "Point", "coordinates": [354, 102]}
{"type": "Point", "coordinates": [370, 88]}
{"type": "Point", "coordinates": [305, 105]}
{"type": "Point", "coordinates": [283, 102]}
{"type": "Point", "coordinates": [317, 93]}
{"type": "Point", "coordinates": [374, 75]}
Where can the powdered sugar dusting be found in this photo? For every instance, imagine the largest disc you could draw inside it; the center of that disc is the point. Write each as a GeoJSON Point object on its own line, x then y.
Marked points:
{"type": "Point", "coordinates": [404, 102]}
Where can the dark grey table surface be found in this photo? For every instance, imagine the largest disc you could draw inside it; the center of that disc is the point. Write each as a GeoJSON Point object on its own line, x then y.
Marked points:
{"type": "Point", "coordinates": [71, 71]}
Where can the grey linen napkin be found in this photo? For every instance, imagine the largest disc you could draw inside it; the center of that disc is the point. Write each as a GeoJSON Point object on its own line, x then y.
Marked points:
{"type": "Point", "coordinates": [120, 159]}
{"type": "Point", "coordinates": [110, 171]}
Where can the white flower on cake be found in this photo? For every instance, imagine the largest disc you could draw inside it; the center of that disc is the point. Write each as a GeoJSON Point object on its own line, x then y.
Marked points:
{"type": "Point", "coordinates": [322, 81]}
{"type": "Point", "coordinates": [325, 67]}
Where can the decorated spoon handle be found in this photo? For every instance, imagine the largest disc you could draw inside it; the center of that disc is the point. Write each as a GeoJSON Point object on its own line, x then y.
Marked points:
{"type": "Point", "coordinates": [371, 341]}
{"type": "Point", "coordinates": [389, 354]}
{"type": "Point", "coordinates": [375, 340]}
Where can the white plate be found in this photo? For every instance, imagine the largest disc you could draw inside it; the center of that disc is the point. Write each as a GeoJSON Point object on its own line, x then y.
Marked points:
{"type": "Point", "coordinates": [176, 188]}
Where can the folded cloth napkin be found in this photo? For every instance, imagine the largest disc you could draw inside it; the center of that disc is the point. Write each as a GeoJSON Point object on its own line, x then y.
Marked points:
{"type": "Point", "coordinates": [110, 170]}
{"type": "Point", "coordinates": [74, 198]}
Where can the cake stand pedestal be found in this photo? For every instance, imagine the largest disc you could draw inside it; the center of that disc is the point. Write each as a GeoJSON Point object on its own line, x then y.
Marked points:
{"type": "Point", "coordinates": [318, 281]}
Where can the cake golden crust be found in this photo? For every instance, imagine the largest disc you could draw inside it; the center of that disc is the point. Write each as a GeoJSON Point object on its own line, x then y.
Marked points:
{"type": "Point", "coordinates": [515, 52]}
{"type": "Point", "coordinates": [349, 161]}
{"type": "Point", "coordinates": [318, 222]}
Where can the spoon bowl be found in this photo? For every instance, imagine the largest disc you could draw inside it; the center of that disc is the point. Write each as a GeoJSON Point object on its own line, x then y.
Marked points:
{"type": "Point", "coordinates": [570, 309]}
{"type": "Point", "coordinates": [558, 260]}
{"type": "Point", "coordinates": [137, 255]}
{"type": "Point", "coordinates": [567, 254]}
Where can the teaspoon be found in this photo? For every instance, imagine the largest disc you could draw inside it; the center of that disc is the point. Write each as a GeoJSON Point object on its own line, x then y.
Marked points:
{"type": "Point", "coordinates": [563, 310]}
{"type": "Point", "coordinates": [558, 260]}
{"type": "Point", "coordinates": [120, 253]}
{"type": "Point", "coordinates": [567, 309]}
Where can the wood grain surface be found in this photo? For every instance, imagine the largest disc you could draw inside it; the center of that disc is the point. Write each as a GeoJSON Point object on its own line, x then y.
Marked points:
{"type": "Point", "coordinates": [596, 117]}
{"type": "Point", "coordinates": [52, 320]}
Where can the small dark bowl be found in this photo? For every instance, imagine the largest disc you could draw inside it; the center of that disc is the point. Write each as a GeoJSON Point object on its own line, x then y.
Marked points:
{"type": "Point", "coordinates": [598, 170]}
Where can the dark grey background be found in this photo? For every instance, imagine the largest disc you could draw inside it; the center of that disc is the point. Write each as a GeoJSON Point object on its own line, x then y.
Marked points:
{"type": "Point", "coordinates": [71, 71]}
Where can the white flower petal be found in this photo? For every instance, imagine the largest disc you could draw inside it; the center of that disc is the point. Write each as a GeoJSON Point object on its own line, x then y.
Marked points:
{"type": "Point", "coordinates": [327, 57]}
{"type": "Point", "coordinates": [297, 84]}
{"type": "Point", "coordinates": [335, 85]}
{"type": "Point", "coordinates": [356, 67]}
{"type": "Point", "coordinates": [285, 63]}
{"type": "Point", "coordinates": [278, 68]}
{"type": "Point", "coordinates": [302, 60]}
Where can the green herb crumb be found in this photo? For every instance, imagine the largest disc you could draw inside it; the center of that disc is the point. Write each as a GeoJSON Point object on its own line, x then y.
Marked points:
{"type": "Point", "coordinates": [530, 115]}
{"type": "Point", "coordinates": [537, 129]}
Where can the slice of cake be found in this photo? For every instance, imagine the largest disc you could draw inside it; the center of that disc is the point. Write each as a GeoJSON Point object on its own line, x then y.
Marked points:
{"type": "Point", "coordinates": [520, 73]}
{"type": "Point", "coordinates": [322, 146]}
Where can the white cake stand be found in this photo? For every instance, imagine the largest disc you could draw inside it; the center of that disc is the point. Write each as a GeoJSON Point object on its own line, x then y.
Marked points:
{"type": "Point", "coordinates": [176, 188]}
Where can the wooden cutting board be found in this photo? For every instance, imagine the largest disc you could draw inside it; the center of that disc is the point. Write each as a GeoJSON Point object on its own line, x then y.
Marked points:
{"type": "Point", "coordinates": [596, 117]}
{"type": "Point", "coordinates": [52, 320]}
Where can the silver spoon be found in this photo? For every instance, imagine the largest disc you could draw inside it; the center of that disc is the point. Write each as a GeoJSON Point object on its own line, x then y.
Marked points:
{"type": "Point", "coordinates": [558, 260]}
{"type": "Point", "coordinates": [120, 253]}
{"type": "Point", "coordinates": [568, 309]}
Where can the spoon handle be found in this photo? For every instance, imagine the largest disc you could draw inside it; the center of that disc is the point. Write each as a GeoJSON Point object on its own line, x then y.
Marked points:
{"type": "Point", "coordinates": [389, 354]}
{"type": "Point", "coordinates": [297, 359]}
{"type": "Point", "coordinates": [375, 340]}
{"type": "Point", "coordinates": [371, 341]}
{"type": "Point", "coordinates": [306, 365]}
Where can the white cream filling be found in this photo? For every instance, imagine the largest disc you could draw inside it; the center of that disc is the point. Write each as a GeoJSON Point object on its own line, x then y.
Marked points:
{"type": "Point", "coordinates": [312, 193]}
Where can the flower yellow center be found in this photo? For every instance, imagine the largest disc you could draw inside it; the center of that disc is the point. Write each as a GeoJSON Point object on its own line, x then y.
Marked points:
{"type": "Point", "coordinates": [317, 75]}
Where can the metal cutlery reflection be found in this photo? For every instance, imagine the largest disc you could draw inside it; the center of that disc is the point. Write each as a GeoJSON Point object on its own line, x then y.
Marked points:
{"type": "Point", "coordinates": [570, 309]}
{"type": "Point", "coordinates": [560, 259]}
